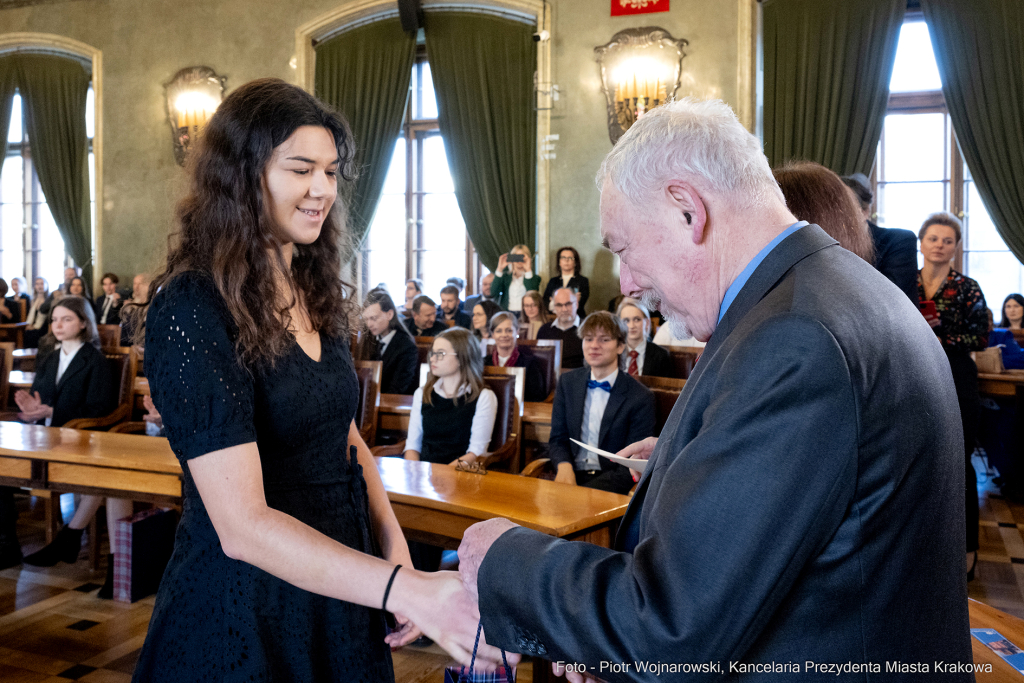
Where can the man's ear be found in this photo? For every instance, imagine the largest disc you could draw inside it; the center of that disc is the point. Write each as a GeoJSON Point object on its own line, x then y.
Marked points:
{"type": "Point", "coordinates": [689, 207]}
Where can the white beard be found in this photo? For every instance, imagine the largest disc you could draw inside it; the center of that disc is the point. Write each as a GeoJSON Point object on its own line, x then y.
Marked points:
{"type": "Point", "coordinates": [677, 327]}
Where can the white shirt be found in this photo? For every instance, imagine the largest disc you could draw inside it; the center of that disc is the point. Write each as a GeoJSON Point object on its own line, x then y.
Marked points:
{"type": "Point", "coordinates": [108, 302]}
{"type": "Point", "coordinates": [385, 340]}
{"type": "Point", "coordinates": [565, 280]}
{"type": "Point", "coordinates": [34, 318]}
{"type": "Point", "coordinates": [503, 359]}
{"type": "Point", "coordinates": [590, 429]}
{"type": "Point", "coordinates": [641, 351]}
{"type": "Point", "coordinates": [483, 420]}
{"type": "Point", "coordinates": [68, 350]}
{"type": "Point", "coordinates": [516, 291]}
{"type": "Point", "coordinates": [575, 323]}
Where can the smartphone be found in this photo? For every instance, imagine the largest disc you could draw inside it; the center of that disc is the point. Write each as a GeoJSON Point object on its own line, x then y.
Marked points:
{"type": "Point", "coordinates": [516, 258]}
{"type": "Point", "coordinates": [929, 311]}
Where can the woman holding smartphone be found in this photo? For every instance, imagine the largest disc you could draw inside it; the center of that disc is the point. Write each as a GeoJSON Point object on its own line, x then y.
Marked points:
{"type": "Point", "coordinates": [514, 278]}
{"type": "Point", "coordinates": [954, 306]}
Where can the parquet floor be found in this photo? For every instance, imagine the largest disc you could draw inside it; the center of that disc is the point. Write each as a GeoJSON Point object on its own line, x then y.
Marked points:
{"type": "Point", "coordinates": [54, 629]}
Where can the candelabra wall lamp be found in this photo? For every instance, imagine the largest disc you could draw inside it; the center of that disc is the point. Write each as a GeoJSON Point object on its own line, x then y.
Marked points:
{"type": "Point", "coordinates": [192, 96]}
{"type": "Point", "coordinates": [640, 70]}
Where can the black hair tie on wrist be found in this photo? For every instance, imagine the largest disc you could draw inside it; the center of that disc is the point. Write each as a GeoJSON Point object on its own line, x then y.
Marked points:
{"type": "Point", "coordinates": [387, 591]}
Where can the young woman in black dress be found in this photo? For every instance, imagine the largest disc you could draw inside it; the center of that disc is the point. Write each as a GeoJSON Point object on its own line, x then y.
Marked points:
{"type": "Point", "coordinates": [287, 544]}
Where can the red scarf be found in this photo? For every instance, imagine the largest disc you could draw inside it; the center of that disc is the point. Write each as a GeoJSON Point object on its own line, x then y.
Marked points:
{"type": "Point", "coordinates": [511, 363]}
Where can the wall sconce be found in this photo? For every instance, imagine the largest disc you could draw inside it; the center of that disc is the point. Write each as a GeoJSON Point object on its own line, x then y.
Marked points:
{"type": "Point", "coordinates": [192, 96]}
{"type": "Point", "coordinates": [640, 69]}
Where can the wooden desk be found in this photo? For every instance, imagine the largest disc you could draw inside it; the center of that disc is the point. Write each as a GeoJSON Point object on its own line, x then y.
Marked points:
{"type": "Point", "coordinates": [395, 409]}
{"type": "Point", "coordinates": [21, 379]}
{"type": "Point", "coordinates": [1000, 384]}
{"type": "Point", "coordinates": [983, 616]}
{"type": "Point", "coordinates": [436, 504]}
{"type": "Point", "coordinates": [101, 463]}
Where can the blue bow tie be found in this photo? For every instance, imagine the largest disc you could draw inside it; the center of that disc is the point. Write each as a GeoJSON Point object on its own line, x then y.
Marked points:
{"type": "Point", "coordinates": [593, 384]}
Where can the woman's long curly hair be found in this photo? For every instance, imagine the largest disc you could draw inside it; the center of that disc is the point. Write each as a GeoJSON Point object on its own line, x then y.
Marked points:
{"type": "Point", "coordinates": [225, 227]}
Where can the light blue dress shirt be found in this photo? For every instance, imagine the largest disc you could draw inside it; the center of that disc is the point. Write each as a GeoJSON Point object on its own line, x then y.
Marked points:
{"type": "Point", "coordinates": [741, 279]}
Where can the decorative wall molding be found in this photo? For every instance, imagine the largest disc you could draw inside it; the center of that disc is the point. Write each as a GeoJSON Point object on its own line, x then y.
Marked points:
{"type": "Point", "coordinates": [12, 4]}
{"type": "Point", "coordinates": [48, 42]}
{"type": "Point", "coordinates": [746, 64]}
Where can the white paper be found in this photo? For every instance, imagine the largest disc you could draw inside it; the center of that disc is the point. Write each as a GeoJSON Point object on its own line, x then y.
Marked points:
{"type": "Point", "coordinates": [631, 463]}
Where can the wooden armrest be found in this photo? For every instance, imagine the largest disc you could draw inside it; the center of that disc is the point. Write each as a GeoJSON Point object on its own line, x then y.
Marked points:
{"type": "Point", "coordinates": [9, 416]}
{"type": "Point", "coordinates": [120, 414]}
{"type": "Point", "coordinates": [389, 451]}
{"type": "Point", "coordinates": [507, 451]}
{"type": "Point", "coordinates": [129, 428]}
{"type": "Point", "coordinates": [535, 467]}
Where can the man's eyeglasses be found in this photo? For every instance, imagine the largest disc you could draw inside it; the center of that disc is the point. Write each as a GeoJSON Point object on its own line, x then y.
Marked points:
{"type": "Point", "coordinates": [439, 355]}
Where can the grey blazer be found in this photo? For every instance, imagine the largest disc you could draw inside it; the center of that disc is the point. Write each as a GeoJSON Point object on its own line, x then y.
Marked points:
{"type": "Point", "coordinates": [804, 502]}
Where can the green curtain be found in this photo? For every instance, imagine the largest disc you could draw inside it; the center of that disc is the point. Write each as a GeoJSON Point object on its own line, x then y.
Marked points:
{"type": "Point", "coordinates": [53, 92]}
{"type": "Point", "coordinates": [364, 74]}
{"type": "Point", "coordinates": [483, 69]}
{"type": "Point", "coordinates": [980, 50]}
{"type": "Point", "coordinates": [826, 79]}
{"type": "Point", "coordinates": [7, 86]}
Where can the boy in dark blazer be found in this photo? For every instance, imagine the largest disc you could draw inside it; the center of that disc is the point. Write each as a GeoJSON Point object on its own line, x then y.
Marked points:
{"type": "Point", "coordinates": [388, 341]}
{"type": "Point", "coordinates": [601, 406]}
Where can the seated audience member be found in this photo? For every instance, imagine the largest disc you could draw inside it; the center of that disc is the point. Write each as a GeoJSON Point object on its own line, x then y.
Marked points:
{"type": "Point", "coordinates": [451, 308]}
{"type": "Point", "coordinates": [38, 316]}
{"type": "Point", "coordinates": [459, 284]}
{"type": "Point", "coordinates": [564, 327]}
{"type": "Point", "coordinates": [424, 322]}
{"type": "Point", "coordinates": [1013, 312]}
{"type": "Point", "coordinates": [69, 274]}
{"type": "Point", "coordinates": [599, 406]}
{"type": "Point", "coordinates": [1013, 354]}
{"type": "Point", "coordinates": [10, 310]}
{"type": "Point", "coordinates": [895, 248]}
{"type": "Point", "coordinates": [506, 353]}
{"type": "Point", "coordinates": [567, 274]}
{"type": "Point", "coordinates": [19, 288]}
{"type": "Point", "coordinates": [482, 314]}
{"type": "Point", "coordinates": [535, 315]}
{"type": "Point", "coordinates": [413, 289]}
{"type": "Point", "coordinates": [512, 282]}
{"type": "Point", "coordinates": [77, 287]}
{"type": "Point", "coordinates": [129, 317]}
{"type": "Point", "coordinates": [641, 357]}
{"type": "Point", "coordinates": [140, 288]}
{"type": "Point", "coordinates": [108, 305]}
{"type": "Point", "coordinates": [17, 295]}
{"type": "Point", "coordinates": [485, 293]}
{"type": "Point", "coordinates": [389, 342]}
{"type": "Point", "coordinates": [70, 383]}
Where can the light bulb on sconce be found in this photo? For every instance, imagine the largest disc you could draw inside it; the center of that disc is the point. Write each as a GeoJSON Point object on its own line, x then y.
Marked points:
{"type": "Point", "coordinates": [640, 69]}
{"type": "Point", "coordinates": [191, 97]}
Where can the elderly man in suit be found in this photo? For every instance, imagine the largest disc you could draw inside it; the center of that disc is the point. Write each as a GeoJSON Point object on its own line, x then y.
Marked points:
{"type": "Point", "coordinates": [804, 502]}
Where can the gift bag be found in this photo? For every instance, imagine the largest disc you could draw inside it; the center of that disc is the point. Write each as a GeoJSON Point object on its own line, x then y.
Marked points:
{"type": "Point", "coordinates": [142, 547]}
{"type": "Point", "coordinates": [459, 674]}
{"type": "Point", "coordinates": [990, 360]}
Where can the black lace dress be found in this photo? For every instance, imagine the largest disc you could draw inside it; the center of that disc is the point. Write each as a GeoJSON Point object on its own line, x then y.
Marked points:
{"type": "Point", "coordinates": [218, 619]}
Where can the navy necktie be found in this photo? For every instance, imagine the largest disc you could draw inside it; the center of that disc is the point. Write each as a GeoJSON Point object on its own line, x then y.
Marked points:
{"type": "Point", "coordinates": [594, 384]}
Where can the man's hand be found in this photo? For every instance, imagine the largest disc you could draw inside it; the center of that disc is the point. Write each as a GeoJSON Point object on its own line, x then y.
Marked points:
{"type": "Point", "coordinates": [641, 450]}
{"type": "Point", "coordinates": [476, 541]}
{"type": "Point", "coordinates": [152, 414]}
{"type": "Point", "coordinates": [565, 474]}
{"type": "Point", "coordinates": [572, 676]}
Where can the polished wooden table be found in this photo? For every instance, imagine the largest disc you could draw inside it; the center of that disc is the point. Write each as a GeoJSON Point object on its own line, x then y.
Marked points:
{"type": "Point", "coordinates": [1000, 384]}
{"type": "Point", "coordinates": [436, 504]}
{"type": "Point", "coordinates": [395, 408]}
{"type": "Point", "coordinates": [25, 359]}
{"type": "Point", "coordinates": [71, 460]}
{"type": "Point", "coordinates": [1012, 628]}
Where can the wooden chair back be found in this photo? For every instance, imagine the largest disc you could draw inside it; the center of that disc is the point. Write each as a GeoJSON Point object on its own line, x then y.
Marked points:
{"type": "Point", "coordinates": [23, 307]}
{"type": "Point", "coordinates": [508, 422]}
{"type": "Point", "coordinates": [110, 336]}
{"type": "Point", "coordinates": [140, 366]}
{"type": "Point", "coordinates": [549, 353]}
{"type": "Point", "coordinates": [6, 365]}
{"type": "Point", "coordinates": [369, 374]}
{"type": "Point", "coordinates": [13, 332]}
{"type": "Point", "coordinates": [518, 373]}
{"type": "Point", "coordinates": [423, 346]}
{"type": "Point", "coordinates": [666, 393]}
{"type": "Point", "coordinates": [1018, 335]}
{"type": "Point", "coordinates": [122, 362]}
{"type": "Point", "coordinates": [683, 360]}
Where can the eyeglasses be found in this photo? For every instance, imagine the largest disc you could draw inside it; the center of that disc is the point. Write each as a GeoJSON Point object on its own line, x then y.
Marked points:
{"type": "Point", "coordinates": [471, 467]}
{"type": "Point", "coordinates": [439, 355]}
{"type": "Point", "coordinates": [566, 305]}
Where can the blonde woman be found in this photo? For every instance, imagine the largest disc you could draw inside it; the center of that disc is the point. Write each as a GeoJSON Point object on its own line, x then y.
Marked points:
{"type": "Point", "coordinates": [514, 278]}
{"type": "Point", "coordinates": [534, 315]}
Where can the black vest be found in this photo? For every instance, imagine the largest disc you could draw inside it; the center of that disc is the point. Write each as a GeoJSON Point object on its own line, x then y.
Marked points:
{"type": "Point", "coordinates": [447, 426]}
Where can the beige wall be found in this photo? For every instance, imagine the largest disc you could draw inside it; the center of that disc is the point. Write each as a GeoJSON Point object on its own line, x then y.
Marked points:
{"type": "Point", "coordinates": [145, 43]}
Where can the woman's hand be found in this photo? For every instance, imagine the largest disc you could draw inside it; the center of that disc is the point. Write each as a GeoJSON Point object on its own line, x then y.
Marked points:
{"type": "Point", "coordinates": [32, 407]}
{"type": "Point", "coordinates": [152, 414]}
{"type": "Point", "coordinates": [502, 263]}
{"type": "Point", "coordinates": [527, 264]}
{"type": "Point", "coordinates": [468, 458]}
{"type": "Point", "coordinates": [398, 553]}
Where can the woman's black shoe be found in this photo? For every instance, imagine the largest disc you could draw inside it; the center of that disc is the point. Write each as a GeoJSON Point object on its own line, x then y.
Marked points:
{"type": "Point", "coordinates": [64, 548]}
{"type": "Point", "coordinates": [107, 591]}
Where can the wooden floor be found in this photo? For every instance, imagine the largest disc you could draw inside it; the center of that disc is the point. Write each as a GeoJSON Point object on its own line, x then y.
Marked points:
{"type": "Point", "coordinates": [53, 628]}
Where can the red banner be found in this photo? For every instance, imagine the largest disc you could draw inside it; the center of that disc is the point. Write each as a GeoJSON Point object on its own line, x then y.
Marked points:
{"type": "Point", "coordinates": [624, 7]}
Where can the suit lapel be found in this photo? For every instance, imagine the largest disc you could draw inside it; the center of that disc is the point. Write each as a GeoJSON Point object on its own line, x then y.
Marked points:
{"type": "Point", "coordinates": [775, 265]}
{"type": "Point", "coordinates": [576, 417]}
{"type": "Point", "coordinates": [76, 365]}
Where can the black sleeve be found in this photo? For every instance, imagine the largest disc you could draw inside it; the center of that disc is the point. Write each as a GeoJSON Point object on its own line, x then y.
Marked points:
{"type": "Point", "coordinates": [584, 293]}
{"type": "Point", "coordinates": [535, 389]}
{"type": "Point", "coordinates": [558, 443]}
{"type": "Point", "coordinates": [46, 378]}
{"type": "Point", "coordinates": [702, 553]}
{"type": "Point", "coordinates": [101, 391]}
{"type": "Point", "coordinates": [407, 365]}
{"type": "Point", "coordinates": [901, 264]}
{"type": "Point", "coordinates": [549, 291]}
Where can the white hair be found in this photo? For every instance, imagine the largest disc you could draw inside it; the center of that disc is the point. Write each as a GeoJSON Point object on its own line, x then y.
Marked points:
{"type": "Point", "coordinates": [690, 137]}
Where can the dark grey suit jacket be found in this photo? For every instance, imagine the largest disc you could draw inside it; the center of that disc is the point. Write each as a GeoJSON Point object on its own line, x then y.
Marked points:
{"type": "Point", "coordinates": [804, 502]}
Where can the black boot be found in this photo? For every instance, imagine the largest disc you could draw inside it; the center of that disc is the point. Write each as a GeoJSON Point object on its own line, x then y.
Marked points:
{"type": "Point", "coordinates": [107, 591]}
{"type": "Point", "coordinates": [10, 550]}
{"type": "Point", "coordinates": [64, 548]}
